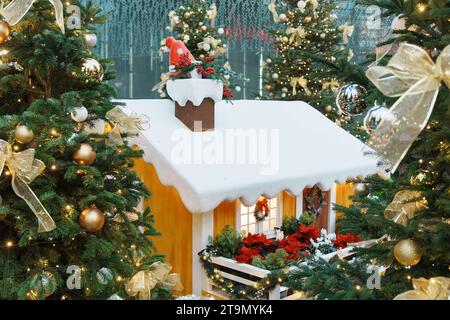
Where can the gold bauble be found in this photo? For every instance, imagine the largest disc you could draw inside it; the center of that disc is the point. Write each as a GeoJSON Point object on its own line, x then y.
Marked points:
{"type": "Point", "coordinates": [187, 15]}
{"type": "Point", "coordinates": [92, 68]}
{"type": "Point", "coordinates": [307, 19]}
{"type": "Point", "coordinates": [23, 134]}
{"type": "Point", "coordinates": [4, 31]}
{"type": "Point", "coordinates": [92, 220]}
{"type": "Point", "coordinates": [85, 155]}
{"type": "Point", "coordinates": [408, 252]}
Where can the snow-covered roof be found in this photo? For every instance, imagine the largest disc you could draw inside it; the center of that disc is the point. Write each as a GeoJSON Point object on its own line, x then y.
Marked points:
{"type": "Point", "coordinates": [258, 148]}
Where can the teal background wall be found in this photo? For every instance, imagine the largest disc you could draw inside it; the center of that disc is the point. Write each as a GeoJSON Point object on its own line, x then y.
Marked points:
{"type": "Point", "coordinates": [132, 38]}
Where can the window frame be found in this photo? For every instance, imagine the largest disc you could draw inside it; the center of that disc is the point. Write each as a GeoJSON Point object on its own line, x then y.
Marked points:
{"type": "Point", "coordinates": [259, 224]}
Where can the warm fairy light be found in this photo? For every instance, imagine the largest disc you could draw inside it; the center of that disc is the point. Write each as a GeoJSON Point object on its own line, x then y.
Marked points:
{"type": "Point", "coordinates": [55, 133]}
{"type": "Point", "coordinates": [358, 287]}
{"type": "Point", "coordinates": [16, 148]}
{"type": "Point", "coordinates": [53, 167]}
{"type": "Point", "coordinates": [408, 277]}
{"type": "Point", "coordinates": [9, 244]}
{"type": "Point", "coordinates": [421, 7]}
{"type": "Point", "coordinates": [119, 278]}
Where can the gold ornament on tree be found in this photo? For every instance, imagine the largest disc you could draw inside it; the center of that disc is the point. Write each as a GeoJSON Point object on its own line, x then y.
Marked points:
{"type": "Point", "coordinates": [406, 205]}
{"type": "Point", "coordinates": [85, 155]}
{"type": "Point", "coordinates": [437, 288]}
{"type": "Point", "coordinates": [23, 134]}
{"type": "Point", "coordinates": [123, 123]}
{"type": "Point", "coordinates": [296, 35]}
{"type": "Point", "coordinates": [93, 69]}
{"type": "Point", "coordinates": [4, 31]}
{"type": "Point", "coordinates": [24, 168]}
{"type": "Point", "coordinates": [413, 76]}
{"type": "Point", "coordinates": [301, 82]}
{"type": "Point", "coordinates": [92, 220]}
{"type": "Point", "coordinates": [408, 252]}
{"type": "Point", "coordinates": [144, 281]}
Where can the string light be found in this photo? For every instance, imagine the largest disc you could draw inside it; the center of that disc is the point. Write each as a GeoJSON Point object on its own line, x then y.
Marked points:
{"type": "Point", "coordinates": [9, 244]}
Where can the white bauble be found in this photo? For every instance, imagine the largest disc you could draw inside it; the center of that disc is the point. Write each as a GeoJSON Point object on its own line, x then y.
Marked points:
{"type": "Point", "coordinates": [323, 36]}
{"type": "Point", "coordinates": [283, 95]}
{"type": "Point", "coordinates": [206, 47]}
{"type": "Point", "coordinates": [79, 114]}
{"type": "Point", "coordinates": [221, 31]}
{"type": "Point", "coordinates": [269, 61]}
{"type": "Point", "coordinates": [275, 76]}
{"type": "Point", "coordinates": [283, 17]}
{"type": "Point", "coordinates": [227, 77]}
{"type": "Point", "coordinates": [360, 187]}
{"type": "Point", "coordinates": [284, 89]}
{"type": "Point", "coordinates": [238, 89]}
{"type": "Point", "coordinates": [97, 127]}
{"type": "Point", "coordinates": [301, 5]}
{"type": "Point", "coordinates": [91, 39]}
{"type": "Point", "coordinates": [186, 37]}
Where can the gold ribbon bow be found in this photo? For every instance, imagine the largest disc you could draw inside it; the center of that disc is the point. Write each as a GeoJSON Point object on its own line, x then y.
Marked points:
{"type": "Point", "coordinates": [302, 82]}
{"type": "Point", "coordinates": [273, 9]}
{"type": "Point", "coordinates": [143, 282]}
{"type": "Point", "coordinates": [17, 9]}
{"type": "Point", "coordinates": [24, 168]}
{"type": "Point", "coordinates": [411, 75]}
{"type": "Point", "coordinates": [437, 288]}
{"type": "Point", "coordinates": [347, 31]}
{"type": "Point", "coordinates": [122, 123]}
{"type": "Point", "coordinates": [406, 205]}
{"type": "Point", "coordinates": [332, 84]}
{"type": "Point", "coordinates": [213, 42]}
{"type": "Point", "coordinates": [296, 35]}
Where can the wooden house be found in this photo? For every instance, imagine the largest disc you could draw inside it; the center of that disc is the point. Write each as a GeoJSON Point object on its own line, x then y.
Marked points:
{"type": "Point", "coordinates": [194, 196]}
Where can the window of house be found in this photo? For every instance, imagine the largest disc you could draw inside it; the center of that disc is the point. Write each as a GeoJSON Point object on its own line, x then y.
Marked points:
{"type": "Point", "coordinates": [248, 223]}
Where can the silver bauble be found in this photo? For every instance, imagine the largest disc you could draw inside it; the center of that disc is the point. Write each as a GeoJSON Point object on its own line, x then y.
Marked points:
{"type": "Point", "coordinates": [351, 99]}
{"type": "Point", "coordinates": [92, 68]}
{"type": "Point", "coordinates": [375, 116]}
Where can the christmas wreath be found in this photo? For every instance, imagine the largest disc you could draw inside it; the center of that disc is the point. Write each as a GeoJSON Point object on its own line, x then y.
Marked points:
{"type": "Point", "coordinates": [262, 209]}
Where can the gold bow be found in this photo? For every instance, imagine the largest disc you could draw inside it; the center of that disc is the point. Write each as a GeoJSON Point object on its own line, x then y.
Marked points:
{"type": "Point", "coordinates": [296, 35]}
{"type": "Point", "coordinates": [213, 42]}
{"type": "Point", "coordinates": [17, 9]}
{"type": "Point", "coordinates": [347, 31]}
{"type": "Point", "coordinates": [314, 5]}
{"type": "Point", "coordinates": [302, 82]}
{"type": "Point", "coordinates": [332, 84]}
{"type": "Point", "coordinates": [411, 75]}
{"type": "Point", "coordinates": [122, 123]}
{"type": "Point", "coordinates": [213, 15]}
{"type": "Point", "coordinates": [406, 205]}
{"type": "Point", "coordinates": [143, 282]}
{"type": "Point", "coordinates": [24, 169]}
{"type": "Point", "coordinates": [173, 20]}
{"type": "Point", "coordinates": [273, 9]}
{"type": "Point", "coordinates": [437, 288]}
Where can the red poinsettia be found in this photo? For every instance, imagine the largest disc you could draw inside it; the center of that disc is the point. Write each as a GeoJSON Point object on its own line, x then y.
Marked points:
{"type": "Point", "coordinates": [306, 233]}
{"type": "Point", "coordinates": [292, 246]}
{"type": "Point", "coordinates": [205, 72]}
{"type": "Point", "coordinates": [342, 240]}
{"type": "Point", "coordinates": [184, 61]}
{"type": "Point", "coordinates": [257, 240]}
{"type": "Point", "coordinates": [227, 93]}
{"type": "Point", "coordinates": [246, 255]}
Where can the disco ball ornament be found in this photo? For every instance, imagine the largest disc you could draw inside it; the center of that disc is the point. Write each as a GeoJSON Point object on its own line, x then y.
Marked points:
{"type": "Point", "coordinates": [375, 116]}
{"type": "Point", "coordinates": [105, 276]}
{"type": "Point", "coordinates": [93, 69]}
{"type": "Point", "coordinates": [351, 99]}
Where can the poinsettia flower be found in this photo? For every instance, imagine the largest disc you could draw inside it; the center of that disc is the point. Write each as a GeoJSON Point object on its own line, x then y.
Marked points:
{"type": "Point", "coordinates": [184, 62]}
{"type": "Point", "coordinates": [306, 233]}
{"type": "Point", "coordinates": [246, 255]}
{"type": "Point", "coordinates": [342, 240]}
{"type": "Point", "coordinates": [257, 240]}
{"type": "Point", "coordinates": [227, 93]}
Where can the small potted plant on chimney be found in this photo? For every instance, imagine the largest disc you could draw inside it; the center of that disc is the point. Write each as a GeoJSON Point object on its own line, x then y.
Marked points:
{"type": "Point", "coordinates": [195, 86]}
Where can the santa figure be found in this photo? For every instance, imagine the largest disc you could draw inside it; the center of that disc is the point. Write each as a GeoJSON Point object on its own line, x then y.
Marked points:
{"type": "Point", "coordinates": [178, 54]}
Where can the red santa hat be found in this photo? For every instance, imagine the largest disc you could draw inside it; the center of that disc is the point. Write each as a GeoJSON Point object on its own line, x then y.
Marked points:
{"type": "Point", "coordinates": [177, 49]}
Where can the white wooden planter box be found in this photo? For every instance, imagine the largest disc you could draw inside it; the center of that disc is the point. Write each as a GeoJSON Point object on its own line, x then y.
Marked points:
{"type": "Point", "coordinates": [249, 272]}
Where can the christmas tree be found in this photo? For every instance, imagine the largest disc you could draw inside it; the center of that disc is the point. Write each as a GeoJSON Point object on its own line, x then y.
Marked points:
{"type": "Point", "coordinates": [196, 26]}
{"type": "Point", "coordinates": [70, 227]}
{"type": "Point", "coordinates": [306, 29]}
{"type": "Point", "coordinates": [407, 214]}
